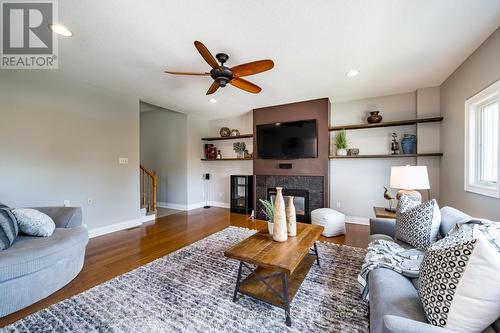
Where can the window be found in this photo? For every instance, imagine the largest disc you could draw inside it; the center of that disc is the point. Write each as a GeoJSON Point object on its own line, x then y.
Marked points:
{"type": "Point", "coordinates": [482, 142]}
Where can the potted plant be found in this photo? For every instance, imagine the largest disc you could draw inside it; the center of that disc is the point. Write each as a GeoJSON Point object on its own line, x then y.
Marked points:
{"type": "Point", "coordinates": [269, 212]}
{"type": "Point", "coordinates": [239, 148]}
{"type": "Point", "coordinates": [341, 143]}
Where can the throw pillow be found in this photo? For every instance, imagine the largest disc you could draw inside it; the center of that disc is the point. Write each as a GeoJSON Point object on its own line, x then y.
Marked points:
{"type": "Point", "coordinates": [8, 228]}
{"type": "Point", "coordinates": [33, 222]}
{"type": "Point", "coordinates": [459, 283]}
{"type": "Point", "coordinates": [417, 224]}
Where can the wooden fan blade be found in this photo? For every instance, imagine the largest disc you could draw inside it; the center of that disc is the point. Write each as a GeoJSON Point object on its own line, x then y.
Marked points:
{"type": "Point", "coordinates": [245, 85]}
{"type": "Point", "coordinates": [253, 67]}
{"type": "Point", "coordinates": [187, 73]}
{"type": "Point", "coordinates": [205, 53]}
{"type": "Point", "coordinates": [213, 88]}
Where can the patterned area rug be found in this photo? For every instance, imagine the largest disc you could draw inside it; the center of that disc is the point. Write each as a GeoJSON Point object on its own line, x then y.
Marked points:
{"type": "Point", "coordinates": [191, 291]}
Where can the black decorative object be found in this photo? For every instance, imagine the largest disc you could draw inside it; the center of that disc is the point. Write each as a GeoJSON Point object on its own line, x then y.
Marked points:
{"type": "Point", "coordinates": [395, 144]}
{"type": "Point", "coordinates": [241, 194]}
{"type": "Point", "coordinates": [225, 132]}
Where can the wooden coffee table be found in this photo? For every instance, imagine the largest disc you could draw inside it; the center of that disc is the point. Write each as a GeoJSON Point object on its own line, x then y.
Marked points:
{"type": "Point", "coordinates": [279, 268]}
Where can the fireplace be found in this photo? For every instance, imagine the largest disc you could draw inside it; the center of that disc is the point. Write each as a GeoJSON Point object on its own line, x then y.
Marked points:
{"type": "Point", "coordinates": [307, 190]}
{"type": "Point", "coordinates": [300, 201]}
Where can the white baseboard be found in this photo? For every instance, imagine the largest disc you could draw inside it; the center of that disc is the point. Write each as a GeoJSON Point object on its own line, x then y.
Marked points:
{"type": "Point", "coordinates": [192, 206]}
{"type": "Point", "coordinates": [357, 220]}
{"type": "Point", "coordinates": [96, 232]}
{"type": "Point", "coordinates": [219, 204]}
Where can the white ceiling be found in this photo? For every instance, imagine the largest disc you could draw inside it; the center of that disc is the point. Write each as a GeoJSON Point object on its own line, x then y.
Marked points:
{"type": "Point", "coordinates": [398, 46]}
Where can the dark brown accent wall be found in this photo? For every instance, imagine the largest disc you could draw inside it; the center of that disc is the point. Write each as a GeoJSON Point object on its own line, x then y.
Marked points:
{"type": "Point", "coordinates": [318, 109]}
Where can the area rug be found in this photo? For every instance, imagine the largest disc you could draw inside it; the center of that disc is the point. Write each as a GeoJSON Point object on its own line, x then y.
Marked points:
{"type": "Point", "coordinates": [191, 290]}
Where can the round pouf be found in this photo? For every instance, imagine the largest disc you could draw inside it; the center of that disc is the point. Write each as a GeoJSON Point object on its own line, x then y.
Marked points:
{"type": "Point", "coordinates": [333, 221]}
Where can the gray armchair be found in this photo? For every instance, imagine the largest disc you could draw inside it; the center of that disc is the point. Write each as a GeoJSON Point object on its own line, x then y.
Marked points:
{"type": "Point", "coordinates": [35, 267]}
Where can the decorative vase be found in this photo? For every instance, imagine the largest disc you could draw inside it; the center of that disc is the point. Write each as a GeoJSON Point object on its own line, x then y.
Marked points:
{"type": "Point", "coordinates": [374, 117]}
{"type": "Point", "coordinates": [208, 147]}
{"type": "Point", "coordinates": [270, 227]}
{"type": "Point", "coordinates": [291, 217]}
{"type": "Point", "coordinates": [409, 144]}
{"type": "Point", "coordinates": [342, 152]}
{"type": "Point", "coordinates": [225, 132]}
{"type": "Point", "coordinates": [279, 227]}
{"type": "Point", "coordinates": [235, 132]}
{"type": "Point", "coordinates": [240, 154]}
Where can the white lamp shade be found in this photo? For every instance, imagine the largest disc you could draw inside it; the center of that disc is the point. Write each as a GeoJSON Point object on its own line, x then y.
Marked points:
{"type": "Point", "coordinates": [409, 177]}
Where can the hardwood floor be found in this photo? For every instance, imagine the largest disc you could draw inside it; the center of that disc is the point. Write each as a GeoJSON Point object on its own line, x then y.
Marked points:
{"type": "Point", "coordinates": [117, 253]}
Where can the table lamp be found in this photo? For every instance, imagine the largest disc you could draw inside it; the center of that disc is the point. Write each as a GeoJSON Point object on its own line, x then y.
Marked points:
{"type": "Point", "coordinates": [408, 179]}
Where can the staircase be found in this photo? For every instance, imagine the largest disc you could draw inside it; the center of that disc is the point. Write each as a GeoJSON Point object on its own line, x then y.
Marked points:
{"type": "Point", "coordinates": [149, 183]}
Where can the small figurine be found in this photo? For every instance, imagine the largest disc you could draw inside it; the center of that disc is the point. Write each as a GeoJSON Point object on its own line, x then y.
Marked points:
{"type": "Point", "coordinates": [219, 155]}
{"type": "Point", "coordinates": [394, 144]}
{"type": "Point", "coordinates": [390, 199]}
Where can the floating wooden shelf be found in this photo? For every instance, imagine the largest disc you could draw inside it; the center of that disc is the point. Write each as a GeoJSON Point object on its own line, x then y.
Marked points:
{"type": "Point", "coordinates": [217, 138]}
{"type": "Point", "coordinates": [387, 124]}
{"type": "Point", "coordinates": [389, 156]}
{"type": "Point", "coordinates": [228, 159]}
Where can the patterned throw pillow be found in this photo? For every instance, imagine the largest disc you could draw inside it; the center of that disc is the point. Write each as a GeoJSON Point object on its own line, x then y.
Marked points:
{"type": "Point", "coordinates": [417, 224]}
{"type": "Point", "coordinates": [33, 222]}
{"type": "Point", "coordinates": [459, 282]}
{"type": "Point", "coordinates": [8, 228]}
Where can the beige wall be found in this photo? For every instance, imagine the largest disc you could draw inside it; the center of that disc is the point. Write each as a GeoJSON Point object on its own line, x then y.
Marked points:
{"type": "Point", "coordinates": [163, 150]}
{"type": "Point", "coordinates": [61, 140]}
{"type": "Point", "coordinates": [480, 70]}
{"type": "Point", "coordinates": [355, 181]}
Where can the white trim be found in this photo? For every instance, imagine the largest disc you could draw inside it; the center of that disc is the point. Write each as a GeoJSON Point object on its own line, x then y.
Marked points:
{"type": "Point", "coordinates": [192, 206]}
{"type": "Point", "coordinates": [96, 232]}
{"type": "Point", "coordinates": [471, 182]}
{"type": "Point", "coordinates": [357, 220]}
{"type": "Point", "coordinates": [219, 204]}
{"type": "Point", "coordinates": [171, 205]}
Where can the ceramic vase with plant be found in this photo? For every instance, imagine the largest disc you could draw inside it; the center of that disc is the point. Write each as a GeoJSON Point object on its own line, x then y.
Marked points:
{"type": "Point", "coordinates": [279, 228]}
{"type": "Point", "coordinates": [341, 143]}
{"type": "Point", "coordinates": [239, 148]}
{"type": "Point", "coordinates": [291, 217]}
{"type": "Point", "coordinates": [268, 210]}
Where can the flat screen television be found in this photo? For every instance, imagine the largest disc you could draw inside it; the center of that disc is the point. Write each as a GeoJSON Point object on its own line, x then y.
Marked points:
{"type": "Point", "coordinates": [285, 141]}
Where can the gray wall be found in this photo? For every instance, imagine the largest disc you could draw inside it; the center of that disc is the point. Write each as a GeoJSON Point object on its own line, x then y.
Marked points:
{"type": "Point", "coordinates": [480, 70]}
{"type": "Point", "coordinates": [61, 140]}
{"type": "Point", "coordinates": [163, 142]}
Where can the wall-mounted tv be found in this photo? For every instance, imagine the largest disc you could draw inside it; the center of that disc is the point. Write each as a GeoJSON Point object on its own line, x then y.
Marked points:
{"type": "Point", "coordinates": [285, 141]}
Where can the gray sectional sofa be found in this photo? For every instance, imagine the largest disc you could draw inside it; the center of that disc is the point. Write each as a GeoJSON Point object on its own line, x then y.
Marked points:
{"type": "Point", "coordinates": [35, 267]}
{"type": "Point", "coordinates": [395, 305]}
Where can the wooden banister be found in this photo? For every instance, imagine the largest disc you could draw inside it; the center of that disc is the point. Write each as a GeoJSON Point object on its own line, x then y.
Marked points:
{"type": "Point", "coordinates": [149, 184]}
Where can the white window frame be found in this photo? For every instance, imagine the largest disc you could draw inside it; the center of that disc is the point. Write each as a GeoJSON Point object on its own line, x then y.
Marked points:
{"type": "Point", "coordinates": [472, 138]}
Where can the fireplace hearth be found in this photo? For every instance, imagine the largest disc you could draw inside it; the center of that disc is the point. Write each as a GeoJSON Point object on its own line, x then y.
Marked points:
{"type": "Point", "coordinates": [300, 201]}
{"type": "Point", "coordinates": [307, 191]}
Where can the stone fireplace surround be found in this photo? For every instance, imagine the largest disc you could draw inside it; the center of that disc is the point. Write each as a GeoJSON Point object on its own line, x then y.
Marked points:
{"type": "Point", "coordinates": [312, 184]}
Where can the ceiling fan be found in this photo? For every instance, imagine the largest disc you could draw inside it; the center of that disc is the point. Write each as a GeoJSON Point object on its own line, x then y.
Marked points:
{"type": "Point", "coordinates": [223, 75]}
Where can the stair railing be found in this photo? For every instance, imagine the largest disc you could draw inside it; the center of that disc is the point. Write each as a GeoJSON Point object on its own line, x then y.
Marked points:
{"type": "Point", "coordinates": [149, 184]}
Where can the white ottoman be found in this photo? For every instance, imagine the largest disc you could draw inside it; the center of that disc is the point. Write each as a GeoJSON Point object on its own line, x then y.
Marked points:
{"type": "Point", "coordinates": [333, 221]}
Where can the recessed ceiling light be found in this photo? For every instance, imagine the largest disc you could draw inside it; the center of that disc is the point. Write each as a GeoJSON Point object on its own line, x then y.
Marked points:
{"type": "Point", "coordinates": [352, 72]}
{"type": "Point", "coordinates": [213, 100]}
{"type": "Point", "coordinates": [60, 30]}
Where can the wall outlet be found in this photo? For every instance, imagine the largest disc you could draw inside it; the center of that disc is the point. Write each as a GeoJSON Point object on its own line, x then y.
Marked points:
{"type": "Point", "coordinates": [66, 203]}
{"type": "Point", "coordinates": [338, 204]}
{"type": "Point", "coordinates": [123, 160]}
{"type": "Point", "coordinates": [90, 201]}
